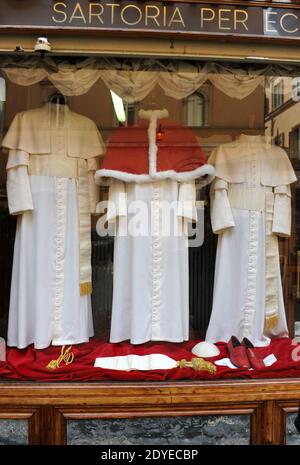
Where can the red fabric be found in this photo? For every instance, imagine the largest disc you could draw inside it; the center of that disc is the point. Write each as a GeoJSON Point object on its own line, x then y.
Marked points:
{"type": "Point", "coordinates": [30, 364]}
{"type": "Point", "coordinates": [179, 149]}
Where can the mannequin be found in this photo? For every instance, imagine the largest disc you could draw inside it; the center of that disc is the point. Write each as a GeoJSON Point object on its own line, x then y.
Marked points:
{"type": "Point", "coordinates": [250, 208]}
{"type": "Point", "coordinates": [150, 296]}
{"type": "Point", "coordinates": [50, 186]}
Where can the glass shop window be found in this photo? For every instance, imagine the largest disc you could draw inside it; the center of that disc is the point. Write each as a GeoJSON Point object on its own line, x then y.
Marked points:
{"type": "Point", "coordinates": [195, 111]}
{"type": "Point", "coordinates": [279, 139]}
{"type": "Point", "coordinates": [131, 113]}
{"type": "Point", "coordinates": [278, 95]}
{"type": "Point", "coordinates": [296, 89]}
{"type": "Point", "coordinates": [149, 220]}
{"type": "Point", "coordinates": [126, 113]}
{"type": "Point", "coordinates": [295, 143]}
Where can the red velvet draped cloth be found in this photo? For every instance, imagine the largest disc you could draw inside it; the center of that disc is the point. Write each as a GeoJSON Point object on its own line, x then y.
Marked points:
{"type": "Point", "coordinates": [30, 364]}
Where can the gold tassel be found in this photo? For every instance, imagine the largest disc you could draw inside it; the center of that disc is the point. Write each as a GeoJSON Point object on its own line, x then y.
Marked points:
{"type": "Point", "coordinates": [86, 288]}
{"type": "Point", "coordinates": [271, 322]}
{"type": "Point", "coordinates": [65, 356]}
{"type": "Point", "coordinates": [197, 364]}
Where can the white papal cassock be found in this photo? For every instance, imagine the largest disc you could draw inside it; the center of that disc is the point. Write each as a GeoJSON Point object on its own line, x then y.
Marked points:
{"type": "Point", "coordinates": [151, 282]}
{"type": "Point", "coordinates": [50, 186]}
{"type": "Point", "coordinates": [151, 276]}
{"type": "Point", "coordinates": [250, 208]}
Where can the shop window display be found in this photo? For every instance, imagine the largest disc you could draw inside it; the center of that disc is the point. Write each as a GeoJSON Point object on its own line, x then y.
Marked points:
{"type": "Point", "coordinates": [138, 239]}
{"type": "Point", "coordinates": [195, 110]}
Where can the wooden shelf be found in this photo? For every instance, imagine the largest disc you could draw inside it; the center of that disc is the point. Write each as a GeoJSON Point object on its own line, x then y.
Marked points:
{"type": "Point", "coordinates": [48, 407]}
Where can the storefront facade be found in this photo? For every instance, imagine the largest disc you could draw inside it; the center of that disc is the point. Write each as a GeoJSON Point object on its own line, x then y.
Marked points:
{"type": "Point", "coordinates": [222, 69]}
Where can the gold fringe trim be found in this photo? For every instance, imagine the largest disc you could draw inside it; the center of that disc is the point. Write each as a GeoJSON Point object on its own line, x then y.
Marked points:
{"type": "Point", "coordinates": [86, 288]}
{"type": "Point", "coordinates": [65, 356]}
{"type": "Point", "coordinates": [271, 322]}
{"type": "Point", "coordinates": [198, 364]}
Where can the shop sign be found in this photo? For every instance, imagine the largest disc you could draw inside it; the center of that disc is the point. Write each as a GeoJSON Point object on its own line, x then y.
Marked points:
{"type": "Point", "coordinates": [152, 16]}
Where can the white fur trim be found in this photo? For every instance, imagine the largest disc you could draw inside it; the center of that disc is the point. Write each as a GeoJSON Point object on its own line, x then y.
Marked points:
{"type": "Point", "coordinates": [205, 170]}
{"type": "Point", "coordinates": [153, 116]}
{"type": "Point", "coordinates": [146, 114]}
{"type": "Point", "coordinates": [152, 151]}
{"type": "Point", "coordinates": [198, 173]}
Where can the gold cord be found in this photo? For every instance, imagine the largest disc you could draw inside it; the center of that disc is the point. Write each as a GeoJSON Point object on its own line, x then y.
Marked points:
{"type": "Point", "coordinates": [65, 356]}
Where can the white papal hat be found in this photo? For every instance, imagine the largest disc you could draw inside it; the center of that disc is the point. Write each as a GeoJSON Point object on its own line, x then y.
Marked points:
{"type": "Point", "coordinates": [205, 350]}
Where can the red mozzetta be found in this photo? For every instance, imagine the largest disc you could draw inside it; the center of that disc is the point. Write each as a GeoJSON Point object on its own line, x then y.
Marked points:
{"type": "Point", "coordinates": [161, 149]}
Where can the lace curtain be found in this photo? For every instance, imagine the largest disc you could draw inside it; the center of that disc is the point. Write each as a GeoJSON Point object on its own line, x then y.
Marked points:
{"type": "Point", "coordinates": [133, 80]}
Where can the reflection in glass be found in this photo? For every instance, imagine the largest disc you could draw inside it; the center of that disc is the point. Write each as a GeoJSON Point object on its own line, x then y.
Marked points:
{"type": "Point", "coordinates": [202, 430]}
{"type": "Point", "coordinates": [13, 432]}
{"type": "Point", "coordinates": [195, 110]}
{"type": "Point", "coordinates": [220, 103]}
{"type": "Point", "coordinates": [292, 435]}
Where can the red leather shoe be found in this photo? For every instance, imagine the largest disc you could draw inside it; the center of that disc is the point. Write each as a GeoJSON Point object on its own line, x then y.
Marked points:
{"type": "Point", "coordinates": [238, 353]}
{"type": "Point", "coordinates": [256, 362]}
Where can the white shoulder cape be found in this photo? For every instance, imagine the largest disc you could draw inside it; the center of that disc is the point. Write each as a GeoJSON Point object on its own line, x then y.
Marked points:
{"type": "Point", "coordinates": [30, 133]}
{"type": "Point", "coordinates": [229, 163]}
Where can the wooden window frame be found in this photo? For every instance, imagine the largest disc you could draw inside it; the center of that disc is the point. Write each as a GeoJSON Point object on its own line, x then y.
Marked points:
{"type": "Point", "coordinates": [48, 407]}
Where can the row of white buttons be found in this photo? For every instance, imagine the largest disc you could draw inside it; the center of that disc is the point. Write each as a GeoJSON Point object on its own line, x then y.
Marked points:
{"type": "Point", "coordinates": [156, 264]}
{"type": "Point", "coordinates": [61, 200]}
{"type": "Point", "coordinates": [249, 308]}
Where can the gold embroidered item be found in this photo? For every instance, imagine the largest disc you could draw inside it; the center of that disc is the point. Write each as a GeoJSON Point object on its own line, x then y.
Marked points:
{"type": "Point", "coordinates": [86, 288]}
{"type": "Point", "coordinates": [272, 258]}
{"type": "Point", "coordinates": [65, 356]}
{"type": "Point", "coordinates": [197, 364]}
{"type": "Point", "coordinates": [270, 323]}
{"type": "Point", "coordinates": [85, 249]}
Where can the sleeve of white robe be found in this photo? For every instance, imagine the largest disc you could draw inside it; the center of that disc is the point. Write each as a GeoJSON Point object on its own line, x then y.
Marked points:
{"type": "Point", "coordinates": [18, 184]}
{"type": "Point", "coordinates": [186, 209]}
{"type": "Point", "coordinates": [282, 211]}
{"type": "Point", "coordinates": [94, 190]}
{"type": "Point", "coordinates": [220, 212]}
{"type": "Point", "coordinates": [187, 201]}
{"type": "Point", "coordinates": [117, 201]}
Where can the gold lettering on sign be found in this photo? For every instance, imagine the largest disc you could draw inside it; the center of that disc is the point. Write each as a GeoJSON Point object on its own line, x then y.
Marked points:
{"type": "Point", "coordinates": [159, 16]}
{"type": "Point", "coordinates": [165, 16]}
{"type": "Point", "coordinates": [152, 16]}
{"type": "Point", "coordinates": [210, 17]}
{"type": "Point", "coordinates": [113, 6]}
{"type": "Point", "coordinates": [92, 13]}
{"type": "Point", "coordinates": [77, 16]}
{"type": "Point", "coordinates": [243, 20]}
{"type": "Point", "coordinates": [223, 19]}
{"type": "Point", "coordinates": [268, 21]}
{"type": "Point", "coordinates": [179, 18]}
{"type": "Point", "coordinates": [58, 8]}
{"type": "Point", "coordinates": [282, 19]}
{"type": "Point", "coordinates": [124, 10]}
